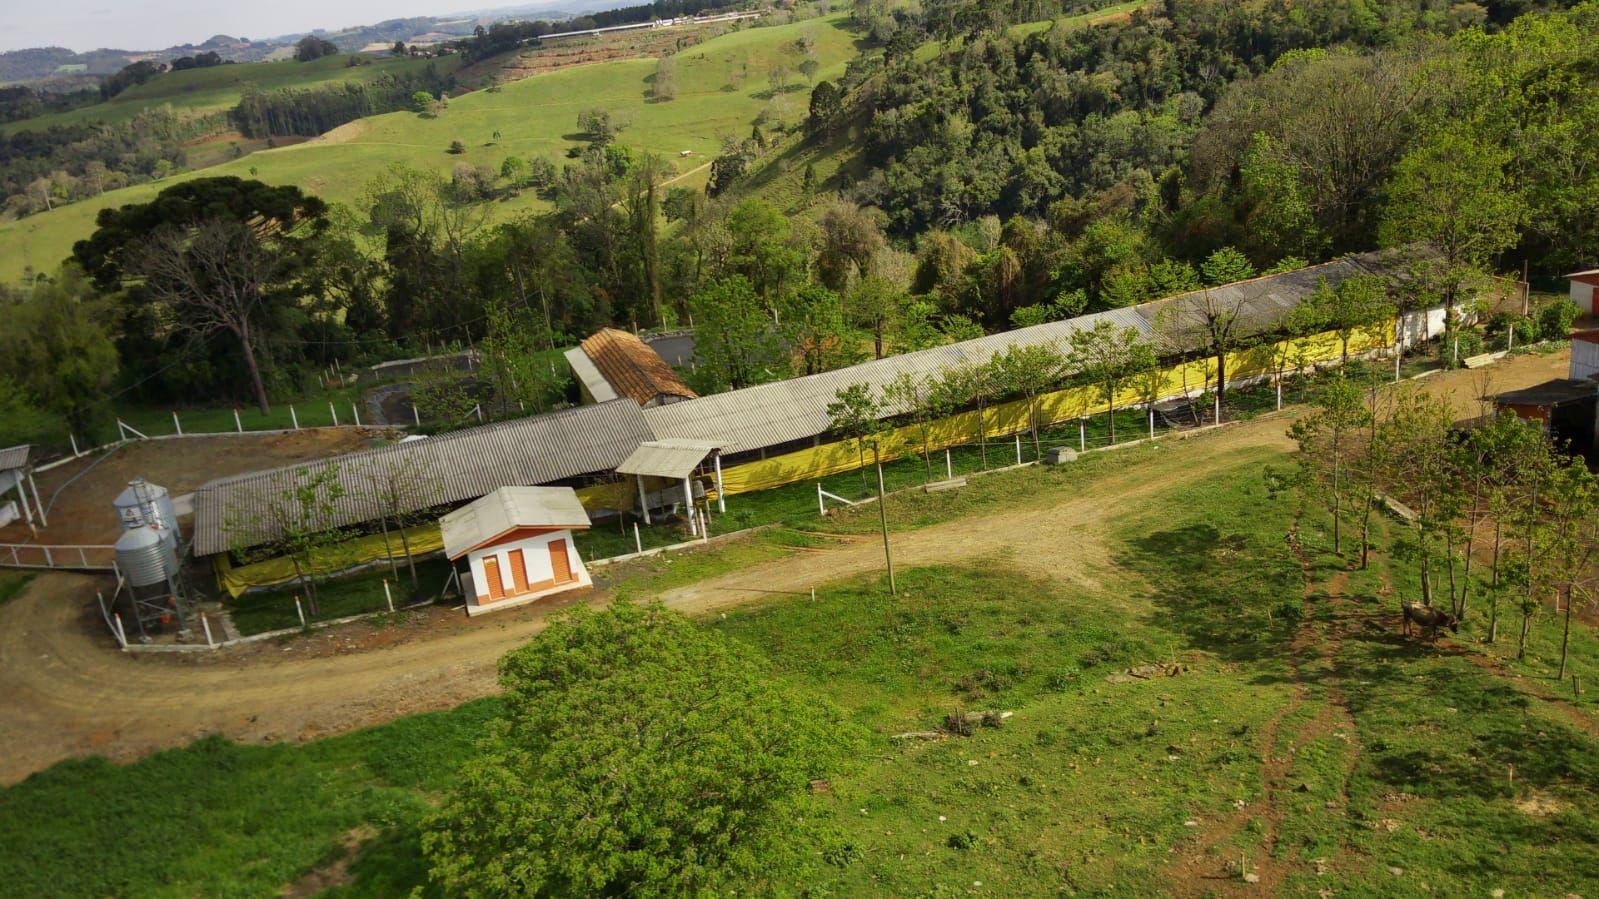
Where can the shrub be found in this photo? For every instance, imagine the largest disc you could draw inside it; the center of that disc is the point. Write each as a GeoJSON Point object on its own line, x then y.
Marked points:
{"type": "Point", "coordinates": [457, 148]}
{"type": "Point", "coordinates": [1555, 319]}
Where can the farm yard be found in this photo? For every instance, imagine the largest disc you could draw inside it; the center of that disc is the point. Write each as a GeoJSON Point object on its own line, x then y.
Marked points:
{"type": "Point", "coordinates": [1300, 743]}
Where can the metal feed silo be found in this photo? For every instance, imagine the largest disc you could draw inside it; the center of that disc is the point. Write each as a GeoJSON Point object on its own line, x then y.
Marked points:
{"type": "Point", "coordinates": [143, 504]}
{"type": "Point", "coordinates": [144, 557]}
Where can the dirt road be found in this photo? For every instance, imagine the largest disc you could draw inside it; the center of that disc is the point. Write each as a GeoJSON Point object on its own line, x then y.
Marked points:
{"type": "Point", "coordinates": [68, 693]}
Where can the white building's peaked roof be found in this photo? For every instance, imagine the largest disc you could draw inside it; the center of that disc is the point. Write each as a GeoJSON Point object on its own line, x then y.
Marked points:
{"type": "Point", "coordinates": [508, 509]}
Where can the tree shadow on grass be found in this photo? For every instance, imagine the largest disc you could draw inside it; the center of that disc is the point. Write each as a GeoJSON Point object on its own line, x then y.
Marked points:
{"type": "Point", "coordinates": [1236, 595]}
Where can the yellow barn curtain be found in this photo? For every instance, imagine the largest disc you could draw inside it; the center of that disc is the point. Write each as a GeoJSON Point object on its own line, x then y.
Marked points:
{"type": "Point", "coordinates": [1061, 405]}
{"type": "Point", "coordinates": [423, 538]}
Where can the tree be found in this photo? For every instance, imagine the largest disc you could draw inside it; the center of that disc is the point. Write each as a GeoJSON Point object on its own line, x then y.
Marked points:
{"type": "Point", "coordinates": [424, 103]}
{"type": "Point", "coordinates": [1356, 304]}
{"type": "Point", "coordinates": [298, 516]}
{"type": "Point", "coordinates": [312, 47]}
{"type": "Point", "coordinates": [1324, 439]}
{"type": "Point", "coordinates": [639, 753]}
{"type": "Point", "coordinates": [395, 489]}
{"type": "Point", "coordinates": [1226, 266]}
{"type": "Point", "coordinates": [664, 88]}
{"type": "Point", "coordinates": [58, 350]}
{"type": "Point", "coordinates": [911, 397]}
{"type": "Point", "coordinates": [857, 414]}
{"type": "Point", "coordinates": [214, 254]}
{"type": "Point", "coordinates": [734, 338]}
{"type": "Point", "coordinates": [1209, 323]}
{"type": "Point", "coordinates": [972, 385]}
{"type": "Point", "coordinates": [1105, 357]}
{"type": "Point", "coordinates": [826, 104]}
{"type": "Point", "coordinates": [1450, 195]}
{"type": "Point", "coordinates": [1029, 372]}
{"type": "Point", "coordinates": [813, 322]}
{"type": "Point", "coordinates": [851, 239]}
{"type": "Point", "coordinates": [876, 305]}
{"type": "Point", "coordinates": [1572, 509]}
{"type": "Point", "coordinates": [599, 126]}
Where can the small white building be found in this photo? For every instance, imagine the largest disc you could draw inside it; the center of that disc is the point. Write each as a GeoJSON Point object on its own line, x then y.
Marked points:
{"type": "Point", "coordinates": [1582, 287]}
{"type": "Point", "coordinates": [518, 546]}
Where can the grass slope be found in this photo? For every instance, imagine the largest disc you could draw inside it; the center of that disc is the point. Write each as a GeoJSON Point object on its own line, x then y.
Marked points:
{"type": "Point", "coordinates": [1304, 736]}
{"type": "Point", "coordinates": [200, 91]}
{"type": "Point", "coordinates": [534, 116]}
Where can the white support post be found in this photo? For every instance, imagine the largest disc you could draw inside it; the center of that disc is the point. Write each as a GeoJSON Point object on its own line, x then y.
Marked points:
{"type": "Point", "coordinates": [821, 504]}
{"type": "Point", "coordinates": [638, 540]}
{"type": "Point", "coordinates": [43, 519]}
{"type": "Point", "coordinates": [643, 499]}
{"type": "Point", "coordinates": [949, 466]}
{"type": "Point", "coordinates": [294, 417]}
{"type": "Point", "coordinates": [299, 610]}
{"type": "Point", "coordinates": [388, 595]}
{"type": "Point", "coordinates": [355, 413]}
{"type": "Point", "coordinates": [1218, 407]}
{"type": "Point", "coordinates": [122, 632]}
{"type": "Point", "coordinates": [1279, 395]}
{"type": "Point", "coordinates": [1018, 447]}
{"type": "Point", "coordinates": [479, 411]}
{"type": "Point", "coordinates": [1512, 330]}
{"type": "Point", "coordinates": [1082, 435]}
{"type": "Point", "coordinates": [334, 413]}
{"type": "Point", "coordinates": [688, 499]}
{"type": "Point", "coordinates": [238, 425]}
{"type": "Point", "coordinates": [206, 623]}
{"type": "Point", "coordinates": [27, 512]}
{"type": "Point", "coordinates": [416, 415]}
{"type": "Point", "coordinates": [74, 441]}
{"type": "Point", "coordinates": [1152, 423]}
{"type": "Point", "coordinates": [177, 425]}
{"type": "Point", "coordinates": [705, 528]}
{"type": "Point", "coordinates": [721, 496]}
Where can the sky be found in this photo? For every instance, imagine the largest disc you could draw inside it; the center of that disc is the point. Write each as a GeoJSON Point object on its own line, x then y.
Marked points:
{"type": "Point", "coordinates": [156, 24]}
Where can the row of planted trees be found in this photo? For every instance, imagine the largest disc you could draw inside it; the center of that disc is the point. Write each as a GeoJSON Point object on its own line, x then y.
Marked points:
{"type": "Point", "coordinates": [1494, 512]}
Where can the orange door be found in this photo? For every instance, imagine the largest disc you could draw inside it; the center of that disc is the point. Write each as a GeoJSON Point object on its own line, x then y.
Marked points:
{"type": "Point", "coordinates": [559, 563]}
{"type": "Point", "coordinates": [518, 571]}
{"type": "Point", "coordinates": [491, 573]}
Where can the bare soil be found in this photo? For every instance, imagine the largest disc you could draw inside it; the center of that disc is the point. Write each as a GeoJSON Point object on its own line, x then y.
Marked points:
{"type": "Point", "coordinates": [69, 693]}
{"type": "Point", "coordinates": [80, 511]}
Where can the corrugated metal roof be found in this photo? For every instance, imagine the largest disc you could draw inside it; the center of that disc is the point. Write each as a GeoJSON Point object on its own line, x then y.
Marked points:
{"type": "Point", "coordinates": [667, 458]}
{"type": "Point", "coordinates": [769, 414]}
{"type": "Point", "coordinates": [441, 470]}
{"type": "Point", "coordinates": [14, 456]}
{"type": "Point", "coordinates": [508, 509]}
{"type": "Point", "coordinates": [593, 381]}
{"type": "Point", "coordinates": [632, 368]}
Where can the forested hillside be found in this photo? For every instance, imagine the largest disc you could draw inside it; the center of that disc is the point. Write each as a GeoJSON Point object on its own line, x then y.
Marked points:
{"type": "Point", "coordinates": [975, 176]}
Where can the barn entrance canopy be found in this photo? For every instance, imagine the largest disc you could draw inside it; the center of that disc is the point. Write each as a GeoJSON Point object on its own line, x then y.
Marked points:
{"type": "Point", "coordinates": [15, 471]}
{"type": "Point", "coordinates": [676, 460]}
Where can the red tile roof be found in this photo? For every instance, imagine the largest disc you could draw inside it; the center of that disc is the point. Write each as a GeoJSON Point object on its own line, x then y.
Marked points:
{"type": "Point", "coordinates": [633, 369]}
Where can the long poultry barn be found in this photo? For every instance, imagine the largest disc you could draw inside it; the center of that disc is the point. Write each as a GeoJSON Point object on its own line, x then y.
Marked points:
{"type": "Point", "coordinates": [639, 439]}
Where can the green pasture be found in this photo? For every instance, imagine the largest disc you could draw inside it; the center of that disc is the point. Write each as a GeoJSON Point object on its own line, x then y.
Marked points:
{"type": "Point", "coordinates": [722, 88]}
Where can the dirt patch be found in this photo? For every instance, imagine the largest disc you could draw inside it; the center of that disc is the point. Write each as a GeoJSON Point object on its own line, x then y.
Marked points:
{"type": "Point", "coordinates": [78, 494]}
{"type": "Point", "coordinates": [335, 873]}
{"type": "Point", "coordinates": [1540, 805]}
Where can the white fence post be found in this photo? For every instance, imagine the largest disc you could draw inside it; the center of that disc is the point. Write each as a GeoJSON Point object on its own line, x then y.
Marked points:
{"type": "Point", "coordinates": [949, 466]}
{"type": "Point", "coordinates": [74, 440]}
{"type": "Point", "coordinates": [821, 505]}
{"type": "Point", "coordinates": [355, 413]}
{"type": "Point", "coordinates": [1018, 447]}
{"type": "Point", "coordinates": [638, 542]}
{"type": "Point", "coordinates": [333, 412]}
{"type": "Point", "coordinates": [1151, 422]}
{"type": "Point", "coordinates": [388, 597]}
{"type": "Point", "coordinates": [416, 416]}
{"type": "Point", "coordinates": [479, 411]}
{"type": "Point", "coordinates": [1082, 435]}
{"type": "Point", "coordinates": [1218, 407]}
{"type": "Point", "coordinates": [299, 610]}
{"type": "Point", "coordinates": [1279, 395]}
{"type": "Point", "coordinates": [177, 425]}
{"type": "Point", "coordinates": [206, 623]}
{"type": "Point", "coordinates": [237, 424]}
{"type": "Point", "coordinates": [294, 417]}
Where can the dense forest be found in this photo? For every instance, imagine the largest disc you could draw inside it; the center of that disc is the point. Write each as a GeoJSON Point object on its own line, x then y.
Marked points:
{"type": "Point", "coordinates": [41, 169]}
{"type": "Point", "coordinates": [308, 112]}
{"type": "Point", "coordinates": [1002, 181]}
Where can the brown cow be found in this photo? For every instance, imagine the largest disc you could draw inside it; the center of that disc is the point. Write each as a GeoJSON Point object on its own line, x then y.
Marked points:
{"type": "Point", "coordinates": [1428, 617]}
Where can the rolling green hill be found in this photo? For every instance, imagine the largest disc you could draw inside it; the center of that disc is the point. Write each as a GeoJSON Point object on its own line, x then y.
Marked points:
{"type": "Point", "coordinates": [217, 88]}
{"type": "Point", "coordinates": [722, 88]}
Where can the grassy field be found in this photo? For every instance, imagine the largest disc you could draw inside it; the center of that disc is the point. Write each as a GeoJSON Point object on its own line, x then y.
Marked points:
{"type": "Point", "coordinates": [722, 88]}
{"type": "Point", "coordinates": [1304, 742]}
{"type": "Point", "coordinates": [214, 89]}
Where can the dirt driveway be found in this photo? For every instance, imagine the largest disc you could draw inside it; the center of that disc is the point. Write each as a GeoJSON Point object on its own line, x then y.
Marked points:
{"type": "Point", "coordinates": [68, 693]}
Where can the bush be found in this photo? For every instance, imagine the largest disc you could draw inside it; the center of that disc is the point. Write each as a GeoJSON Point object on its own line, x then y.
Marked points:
{"type": "Point", "coordinates": [639, 754]}
{"type": "Point", "coordinates": [457, 148]}
{"type": "Point", "coordinates": [1469, 343]}
{"type": "Point", "coordinates": [1555, 320]}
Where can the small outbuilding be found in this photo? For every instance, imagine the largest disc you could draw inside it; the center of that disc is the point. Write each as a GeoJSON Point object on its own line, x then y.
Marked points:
{"type": "Point", "coordinates": [1565, 408]}
{"type": "Point", "coordinates": [1582, 289]}
{"type": "Point", "coordinates": [518, 545]}
{"type": "Point", "coordinates": [16, 473]}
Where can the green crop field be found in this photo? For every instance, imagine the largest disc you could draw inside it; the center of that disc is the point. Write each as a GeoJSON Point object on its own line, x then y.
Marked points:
{"type": "Point", "coordinates": [200, 91]}
{"type": "Point", "coordinates": [1303, 742]}
{"type": "Point", "coordinates": [722, 88]}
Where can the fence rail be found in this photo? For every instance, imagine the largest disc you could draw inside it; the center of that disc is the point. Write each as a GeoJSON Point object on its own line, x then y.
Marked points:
{"type": "Point", "coordinates": [60, 557]}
